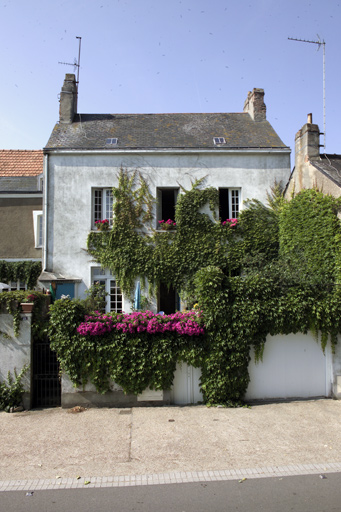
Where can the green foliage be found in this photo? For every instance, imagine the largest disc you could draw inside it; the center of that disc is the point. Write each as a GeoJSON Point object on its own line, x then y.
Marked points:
{"type": "Point", "coordinates": [96, 297]}
{"type": "Point", "coordinates": [134, 362]}
{"type": "Point", "coordinates": [10, 302]}
{"type": "Point", "coordinates": [74, 358]}
{"type": "Point", "coordinates": [11, 391]}
{"type": "Point", "coordinates": [309, 233]}
{"type": "Point", "coordinates": [25, 271]}
{"type": "Point", "coordinates": [277, 272]}
{"type": "Point", "coordinates": [133, 248]}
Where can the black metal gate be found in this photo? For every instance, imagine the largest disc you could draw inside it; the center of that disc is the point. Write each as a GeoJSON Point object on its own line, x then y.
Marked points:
{"type": "Point", "coordinates": [46, 380]}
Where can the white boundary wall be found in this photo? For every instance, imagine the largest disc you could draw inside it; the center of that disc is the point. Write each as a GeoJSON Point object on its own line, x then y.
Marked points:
{"type": "Point", "coordinates": [16, 352]}
{"type": "Point", "coordinates": [293, 366]}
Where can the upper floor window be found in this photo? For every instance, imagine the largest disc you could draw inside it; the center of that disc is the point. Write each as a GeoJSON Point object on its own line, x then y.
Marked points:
{"type": "Point", "coordinates": [229, 203]}
{"type": "Point", "coordinates": [102, 201]}
{"type": "Point", "coordinates": [38, 228]}
{"type": "Point", "coordinates": [166, 201]}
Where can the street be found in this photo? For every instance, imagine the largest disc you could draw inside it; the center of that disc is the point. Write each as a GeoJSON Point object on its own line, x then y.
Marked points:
{"type": "Point", "coordinates": [280, 494]}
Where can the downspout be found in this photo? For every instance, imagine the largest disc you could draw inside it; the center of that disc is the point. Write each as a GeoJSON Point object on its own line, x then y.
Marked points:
{"type": "Point", "coordinates": [45, 183]}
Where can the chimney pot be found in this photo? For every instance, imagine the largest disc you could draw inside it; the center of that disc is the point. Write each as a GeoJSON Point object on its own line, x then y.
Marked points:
{"type": "Point", "coordinates": [310, 118]}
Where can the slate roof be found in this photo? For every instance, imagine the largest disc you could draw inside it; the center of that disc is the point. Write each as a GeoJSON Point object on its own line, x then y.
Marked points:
{"type": "Point", "coordinates": [163, 131]}
{"type": "Point", "coordinates": [16, 162]}
{"type": "Point", "coordinates": [330, 166]}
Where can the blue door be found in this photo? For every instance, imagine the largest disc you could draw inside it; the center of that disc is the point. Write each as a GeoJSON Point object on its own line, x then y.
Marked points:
{"type": "Point", "coordinates": [65, 289]}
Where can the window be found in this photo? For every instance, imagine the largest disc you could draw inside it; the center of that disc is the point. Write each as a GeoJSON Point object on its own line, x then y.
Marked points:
{"type": "Point", "coordinates": [41, 183]}
{"type": "Point", "coordinates": [219, 140]}
{"type": "Point", "coordinates": [102, 201]}
{"type": "Point", "coordinates": [112, 142]}
{"type": "Point", "coordinates": [17, 285]}
{"type": "Point", "coordinates": [114, 298]}
{"type": "Point", "coordinates": [169, 300]}
{"type": "Point", "coordinates": [166, 201]}
{"type": "Point", "coordinates": [38, 228]}
{"type": "Point", "coordinates": [229, 203]}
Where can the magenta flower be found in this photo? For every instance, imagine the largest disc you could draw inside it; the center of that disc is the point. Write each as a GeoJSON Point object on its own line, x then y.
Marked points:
{"type": "Point", "coordinates": [186, 322]}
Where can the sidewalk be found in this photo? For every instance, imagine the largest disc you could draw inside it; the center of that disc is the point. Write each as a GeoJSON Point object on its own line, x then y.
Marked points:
{"type": "Point", "coordinates": [54, 447]}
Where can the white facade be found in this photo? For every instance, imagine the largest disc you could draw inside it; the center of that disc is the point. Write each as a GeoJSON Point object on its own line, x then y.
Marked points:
{"type": "Point", "coordinates": [71, 177]}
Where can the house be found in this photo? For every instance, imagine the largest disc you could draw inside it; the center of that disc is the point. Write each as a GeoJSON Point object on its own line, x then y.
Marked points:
{"type": "Point", "coordinates": [312, 168]}
{"type": "Point", "coordinates": [21, 205]}
{"type": "Point", "coordinates": [239, 153]}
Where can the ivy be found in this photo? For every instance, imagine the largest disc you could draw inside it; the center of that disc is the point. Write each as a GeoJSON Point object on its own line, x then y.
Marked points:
{"type": "Point", "coordinates": [11, 392]}
{"type": "Point", "coordinates": [25, 271]}
{"type": "Point", "coordinates": [277, 271]}
{"type": "Point", "coordinates": [10, 302]}
{"type": "Point", "coordinates": [133, 361]}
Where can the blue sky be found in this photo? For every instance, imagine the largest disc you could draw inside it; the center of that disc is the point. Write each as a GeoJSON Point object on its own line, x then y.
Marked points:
{"type": "Point", "coordinates": [145, 56]}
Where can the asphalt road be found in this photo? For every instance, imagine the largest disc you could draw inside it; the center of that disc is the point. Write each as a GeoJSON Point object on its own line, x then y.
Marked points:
{"type": "Point", "coordinates": [298, 494]}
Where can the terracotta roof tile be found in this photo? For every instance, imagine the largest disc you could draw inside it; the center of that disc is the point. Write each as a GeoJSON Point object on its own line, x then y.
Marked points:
{"type": "Point", "coordinates": [16, 162]}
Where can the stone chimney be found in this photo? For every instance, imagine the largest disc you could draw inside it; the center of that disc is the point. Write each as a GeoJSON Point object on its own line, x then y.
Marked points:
{"type": "Point", "coordinates": [307, 142]}
{"type": "Point", "coordinates": [68, 99]}
{"type": "Point", "coordinates": [254, 105]}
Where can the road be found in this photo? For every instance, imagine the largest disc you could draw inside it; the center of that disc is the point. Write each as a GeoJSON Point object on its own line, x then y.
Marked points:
{"type": "Point", "coordinates": [309, 493]}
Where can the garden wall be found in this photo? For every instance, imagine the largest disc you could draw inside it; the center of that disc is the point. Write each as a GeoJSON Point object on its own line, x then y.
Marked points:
{"type": "Point", "coordinates": [15, 352]}
{"type": "Point", "coordinates": [88, 396]}
{"type": "Point", "coordinates": [293, 366]}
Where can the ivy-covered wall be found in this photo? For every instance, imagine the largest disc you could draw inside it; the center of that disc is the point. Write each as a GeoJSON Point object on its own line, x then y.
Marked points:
{"type": "Point", "coordinates": [275, 271]}
{"type": "Point", "coordinates": [24, 271]}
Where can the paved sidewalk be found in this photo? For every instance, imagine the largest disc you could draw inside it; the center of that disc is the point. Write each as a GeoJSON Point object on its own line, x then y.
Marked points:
{"type": "Point", "coordinates": [54, 448]}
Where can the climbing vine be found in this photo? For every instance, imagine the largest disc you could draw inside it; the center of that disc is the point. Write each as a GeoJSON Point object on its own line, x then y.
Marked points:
{"type": "Point", "coordinates": [10, 302]}
{"type": "Point", "coordinates": [136, 351]}
{"type": "Point", "coordinates": [275, 271]}
{"type": "Point", "coordinates": [25, 271]}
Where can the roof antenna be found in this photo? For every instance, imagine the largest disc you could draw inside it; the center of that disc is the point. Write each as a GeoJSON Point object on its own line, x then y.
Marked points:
{"type": "Point", "coordinates": [76, 64]}
{"type": "Point", "coordinates": [323, 44]}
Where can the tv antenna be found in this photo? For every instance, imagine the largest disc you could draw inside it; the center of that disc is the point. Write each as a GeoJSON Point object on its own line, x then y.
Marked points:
{"type": "Point", "coordinates": [319, 44]}
{"type": "Point", "coordinates": [76, 63]}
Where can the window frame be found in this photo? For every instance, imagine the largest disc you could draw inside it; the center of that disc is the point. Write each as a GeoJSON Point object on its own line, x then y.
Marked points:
{"type": "Point", "coordinates": [218, 141]}
{"type": "Point", "coordinates": [38, 228]}
{"type": "Point", "coordinates": [102, 209]}
{"type": "Point", "coordinates": [16, 285]}
{"type": "Point", "coordinates": [112, 288]}
{"type": "Point", "coordinates": [160, 209]}
{"type": "Point", "coordinates": [231, 200]}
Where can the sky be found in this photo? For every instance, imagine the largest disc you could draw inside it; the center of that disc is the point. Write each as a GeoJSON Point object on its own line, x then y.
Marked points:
{"type": "Point", "coordinates": [165, 56]}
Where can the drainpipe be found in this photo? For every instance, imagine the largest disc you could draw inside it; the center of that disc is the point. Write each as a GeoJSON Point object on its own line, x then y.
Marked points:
{"type": "Point", "coordinates": [45, 182]}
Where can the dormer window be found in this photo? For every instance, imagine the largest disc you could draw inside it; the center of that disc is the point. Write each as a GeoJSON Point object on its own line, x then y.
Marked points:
{"type": "Point", "coordinates": [111, 142]}
{"type": "Point", "coordinates": [219, 140]}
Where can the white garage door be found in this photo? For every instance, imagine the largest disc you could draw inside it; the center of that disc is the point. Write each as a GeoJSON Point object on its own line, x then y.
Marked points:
{"type": "Point", "coordinates": [293, 366]}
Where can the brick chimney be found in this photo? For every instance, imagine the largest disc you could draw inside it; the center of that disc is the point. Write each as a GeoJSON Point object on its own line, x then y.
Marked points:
{"type": "Point", "coordinates": [307, 142]}
{"type": "Point", "coordinates": [254, 105]}
{"type": "Point", "coordinates": [68, 99]}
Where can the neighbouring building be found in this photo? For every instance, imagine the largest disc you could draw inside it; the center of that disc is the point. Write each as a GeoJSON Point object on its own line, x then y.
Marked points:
{"type": "Point", "coordinates": [21, 208]}
{"type": "Point", "coordinates": [312, 168]}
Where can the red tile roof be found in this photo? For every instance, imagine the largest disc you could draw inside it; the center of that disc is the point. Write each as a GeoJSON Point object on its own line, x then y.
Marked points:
{"type": "Point", "coordinates": [16, 162]}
